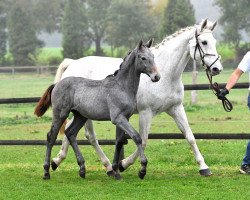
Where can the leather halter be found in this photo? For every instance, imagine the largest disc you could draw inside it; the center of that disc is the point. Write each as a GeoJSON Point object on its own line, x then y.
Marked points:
{"type": "Point", "coordinates": [213, 86]}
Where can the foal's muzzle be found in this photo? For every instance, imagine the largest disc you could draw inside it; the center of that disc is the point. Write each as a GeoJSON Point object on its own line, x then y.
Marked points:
{"type": "Point", "coordinates": [155, 78]}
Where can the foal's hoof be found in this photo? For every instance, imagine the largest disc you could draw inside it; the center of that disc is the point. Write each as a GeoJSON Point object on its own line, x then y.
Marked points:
{"type": "Point", "coordinates": [142, 174]}
{"type": "Point", "coordinates": [46, 176]}
{"type": "Point", "coordinates": [205, 172]}
{"type": "Point", "coordinates": [111, 173]}
{"type": "Point", "coordinates": [121, 168]}
{"type": "Point", "coordinates": [82, 173]}
{"type": "Point", "coordinates": [118, 176]}
{"type": "Point", "coordinates": [53, 165]}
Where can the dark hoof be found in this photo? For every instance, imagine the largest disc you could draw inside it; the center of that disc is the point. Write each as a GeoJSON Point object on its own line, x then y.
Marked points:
{"type": "Point", "coordinates": [46, 176]}
{"type": "Point", "coordinates": [82, 174]}
{"type": "Point", "coordinates": [111, 173]}
{"type": "Point", "coordinates": [141, 174]}
{"type": "Point", "coordinates": [53, 165]}
{"type": "Point", "coordinates": [121, 168]}
{"type": "Point", "coordinates": [205, 172]}
{"type": "Point", "coordinates": [118, 176]}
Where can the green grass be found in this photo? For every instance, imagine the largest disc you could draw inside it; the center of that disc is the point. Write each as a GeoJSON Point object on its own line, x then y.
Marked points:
{"type": "Point", "coordinates": [172, 171]}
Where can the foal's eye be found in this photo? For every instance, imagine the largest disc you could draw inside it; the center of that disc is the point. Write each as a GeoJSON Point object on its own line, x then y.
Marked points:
{"type": "Point", "coordinates": [204, 42]}
{"type": "Point", "coordinates": [143, 58]}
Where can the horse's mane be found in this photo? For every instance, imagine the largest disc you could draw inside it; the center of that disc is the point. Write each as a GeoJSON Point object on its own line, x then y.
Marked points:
{"type": "Point", "coordinates": [122, 65]}
{"type": "Point", "coordinates": [167, 38]}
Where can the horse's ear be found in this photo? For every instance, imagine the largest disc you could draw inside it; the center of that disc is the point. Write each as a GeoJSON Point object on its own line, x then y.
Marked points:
{"type": "Point", "coordinates": [214, 25]}
{"type": "Point", "coordinates": [204, 24]}
{"type": "Point", "coordinates": [140, 44]}
{"type": "Point", "coordinates": [149, 43]}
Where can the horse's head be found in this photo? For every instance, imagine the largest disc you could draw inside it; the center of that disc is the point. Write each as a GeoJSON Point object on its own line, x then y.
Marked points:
{"type": "Point", "coordinates": [203, 47]}
{"type": "Point", "coordinates": [144, 61]}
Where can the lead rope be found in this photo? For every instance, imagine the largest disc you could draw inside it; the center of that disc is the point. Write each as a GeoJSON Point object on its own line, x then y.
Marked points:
{"type": "Point", "coordinates": [227, 105]}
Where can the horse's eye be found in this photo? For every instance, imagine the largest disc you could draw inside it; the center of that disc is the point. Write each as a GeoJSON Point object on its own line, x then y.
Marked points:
{"type": "Point", "coordinates": [143, 58]}
{"type": "Point", "coordinates": [204, 42]}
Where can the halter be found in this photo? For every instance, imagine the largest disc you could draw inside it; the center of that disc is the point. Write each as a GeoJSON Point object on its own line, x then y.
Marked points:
{"type": "Point", "coordinates": [213, 86]}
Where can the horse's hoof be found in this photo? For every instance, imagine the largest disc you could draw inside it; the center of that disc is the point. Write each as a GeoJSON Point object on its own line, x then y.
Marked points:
{"type": "Point", "coordinates": [121, 168]}
{"type": "Point", "coordinates": [205, 172]}
{"type": "Point", "coordinates": [118, 176]}
{"type": "Point", "coordinates": [46, 176]}
{"type": "Point", "coordinates": [53, 165]}
{"type": "Point", "coordinates": [82, 174]}
{"type": "Point", "coordinates": [111, 173]}
{"type": "Point", "coordinates": [142, 174]}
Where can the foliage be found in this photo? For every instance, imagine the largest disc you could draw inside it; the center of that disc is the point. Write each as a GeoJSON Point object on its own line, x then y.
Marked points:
{"type": "Point", "coordinates": [22, 37]}
{"type": "Point", "coordinates": [74, 30]}
{"type": "Point", "coordinates": [130, 21]}
{"type": "Point", "coordinates": [97, 13]}
{"type": "Point", "coordinates": [178, 14]}
{"type": "Point", "coordinates": [235, 19]}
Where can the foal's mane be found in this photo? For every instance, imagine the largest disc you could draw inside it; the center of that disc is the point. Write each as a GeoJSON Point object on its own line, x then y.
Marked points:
{"type": "Point", "coordinates": [123, 64]}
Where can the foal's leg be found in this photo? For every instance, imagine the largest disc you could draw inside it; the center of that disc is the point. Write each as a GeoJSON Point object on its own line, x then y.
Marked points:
{"type": "Point", "coordinates": [51, 138]}
{"type": "Point", "coordinates": [145, 118]}
{"type": "Point", "coordinates": [71, 134]}
{"type": "Point", "coordinates": [118, 148]}
{"type": "Point", "coordinates": [124, 125]}
{"type": "Point", "coordinates": [63, 151]}
{"type": "Point", "coordinates": [91, 136]}
{"type": "Point", "coordinates": [179, 115]}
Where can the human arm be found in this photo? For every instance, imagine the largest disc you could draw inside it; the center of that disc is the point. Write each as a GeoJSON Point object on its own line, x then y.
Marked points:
{"type": "Point", "coordinates": [231, 82]}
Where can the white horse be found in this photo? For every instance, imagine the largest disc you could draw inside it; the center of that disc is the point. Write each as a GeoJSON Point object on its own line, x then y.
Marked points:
{"type": "Point", "coordinates": [171, 57]}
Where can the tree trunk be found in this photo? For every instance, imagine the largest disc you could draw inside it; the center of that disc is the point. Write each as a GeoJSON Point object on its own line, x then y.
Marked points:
{"type": "Point", "coordinates": [98, 49]}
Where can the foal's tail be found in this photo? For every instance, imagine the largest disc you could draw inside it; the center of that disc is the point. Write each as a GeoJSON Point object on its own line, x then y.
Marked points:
{"type": "Point", "coordinates": [44, 103]}
{"type": "Point", "coordinates": [62, 67]}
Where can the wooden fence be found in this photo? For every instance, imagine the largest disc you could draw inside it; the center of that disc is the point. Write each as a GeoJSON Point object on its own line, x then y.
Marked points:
{"type": "Point", "coordinates": [151, 136]}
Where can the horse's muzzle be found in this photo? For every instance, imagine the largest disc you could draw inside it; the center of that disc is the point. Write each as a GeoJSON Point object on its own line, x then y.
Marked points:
{"type": "Point", "coordinates": [155, 77]}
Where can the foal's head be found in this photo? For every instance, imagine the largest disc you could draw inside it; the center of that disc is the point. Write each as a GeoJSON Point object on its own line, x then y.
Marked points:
{"type": "Point", "coordinates": [144, 61]}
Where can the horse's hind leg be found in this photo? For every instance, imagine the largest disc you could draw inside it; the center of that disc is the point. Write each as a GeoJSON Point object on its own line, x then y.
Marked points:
{"type": "Point", "coordinates": [71, 133]}
{"type": "Point", "coordinates": [179, 115]}
{"type": "Point", "coordinates": [63, 151]}
{"type": "Point", "coordinates": [51, 138]}
{"type": "Point", "coordinates": [91, 136]}
{"type": "Point", "coordinates": [118, 147]}
{"type": "Point", "coordinates": [145, 118]}
{"type": "Point", "coordinates": [124, 125]}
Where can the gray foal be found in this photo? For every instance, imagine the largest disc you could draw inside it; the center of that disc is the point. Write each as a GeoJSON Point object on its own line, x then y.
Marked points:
{"type": "Point", "coordinates": [111, 99]}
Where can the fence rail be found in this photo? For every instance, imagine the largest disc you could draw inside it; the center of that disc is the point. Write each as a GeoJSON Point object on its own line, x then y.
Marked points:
{"type": "Point", "coordinates": [186, 87]}
{"type": "Point", "coordinates": [161, 136]}
{"type": "Point", "coordinates": [237, 136]}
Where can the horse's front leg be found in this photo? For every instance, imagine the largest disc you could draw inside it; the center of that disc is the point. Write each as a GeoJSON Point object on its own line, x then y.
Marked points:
{"type": "Point", "coordinates": [145, 119]}
{"type": "Point", "coordinates": [63, 151]}
{"type": "Point", "coordinates": [179, 115]}
{"type": "Point", "coordinates": [91, 136]}
{"type": "Point", "coordinates": [123, 124]}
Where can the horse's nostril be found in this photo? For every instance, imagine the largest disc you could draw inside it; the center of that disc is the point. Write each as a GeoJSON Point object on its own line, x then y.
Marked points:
{"type": "Point", "coordinates": [157, 78]}
{"type": "Point", "coordinates": [215, 69]}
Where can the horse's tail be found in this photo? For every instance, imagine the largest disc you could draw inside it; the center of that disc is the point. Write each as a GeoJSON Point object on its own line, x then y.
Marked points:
{"type": "Point", "coordinates": [44, 103]}
{"type": "Point", "coordinates": [62, 67]}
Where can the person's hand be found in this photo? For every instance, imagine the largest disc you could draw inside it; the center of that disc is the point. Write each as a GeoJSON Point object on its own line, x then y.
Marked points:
{"type": "Point", "coordinates": [248, 101]}
{"type": "Point", "coordinates": [223, 92]}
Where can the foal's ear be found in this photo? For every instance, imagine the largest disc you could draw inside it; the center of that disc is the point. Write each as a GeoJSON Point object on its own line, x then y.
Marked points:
{"type": "Point", "coordinates": [140, 44]}
{"type": "Point", "coordinates": [149, 43]}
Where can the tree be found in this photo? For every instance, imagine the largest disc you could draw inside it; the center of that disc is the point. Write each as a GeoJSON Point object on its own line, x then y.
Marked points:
{"type": "Point", "coordinates": [130, 21]}
{"type": "Point", "coordinates": [3, 35]}
{"type": "Point", "coordinates": [74, 30]}
{"type": "Point", "coordinates": [235, 19]}
{"type": "Point", "coordinates": [178, 14]}
{"type": "Point", "coordinates": [98, 18]}
{"type": "Point", "coordinates": [22, 36]}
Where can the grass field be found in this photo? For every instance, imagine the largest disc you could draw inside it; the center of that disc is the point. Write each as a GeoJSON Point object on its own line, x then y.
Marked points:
{"type": "Point", "coordinates": [172, 171]}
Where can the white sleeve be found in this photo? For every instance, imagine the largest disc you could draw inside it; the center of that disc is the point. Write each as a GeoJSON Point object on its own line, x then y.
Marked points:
{"type": "Point", "coordinates": [245, 63]}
